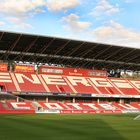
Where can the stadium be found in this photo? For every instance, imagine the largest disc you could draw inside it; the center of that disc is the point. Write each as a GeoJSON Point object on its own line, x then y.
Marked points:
{"type": "Point", "coordinates": [72, 89]}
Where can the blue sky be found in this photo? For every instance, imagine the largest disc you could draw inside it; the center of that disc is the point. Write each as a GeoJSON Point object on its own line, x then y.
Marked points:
{"type": "Point", "coordinates": [105, 21]}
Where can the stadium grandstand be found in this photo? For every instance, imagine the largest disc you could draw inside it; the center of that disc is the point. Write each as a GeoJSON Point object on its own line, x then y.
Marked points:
{"type": "Point", "coordinates": [43, 74]}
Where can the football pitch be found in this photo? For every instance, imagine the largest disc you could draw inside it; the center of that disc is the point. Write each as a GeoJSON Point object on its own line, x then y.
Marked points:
{"type": "Point", "coordinates": [69, 127]}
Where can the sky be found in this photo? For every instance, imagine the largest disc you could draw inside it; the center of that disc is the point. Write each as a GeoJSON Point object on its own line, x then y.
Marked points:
{"type": "Point", "coordinates": [105, 21]}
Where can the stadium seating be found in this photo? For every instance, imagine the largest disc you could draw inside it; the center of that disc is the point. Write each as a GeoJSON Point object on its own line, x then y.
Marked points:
{"type": "Point", "coordinates": [73, 107]}
{"type": "Point", "coordinates": [1, 106]}
{"type": "Point", "coordinates": [27, 82]}
{"type": "Point", "coordinates": [72, 84]}
{"type": "Point", "coordinates": [136, 105]}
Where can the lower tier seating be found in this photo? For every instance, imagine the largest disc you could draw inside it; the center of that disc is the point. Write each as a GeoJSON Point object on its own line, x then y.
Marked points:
{"type": "Point", "coordinates": [68, 107]}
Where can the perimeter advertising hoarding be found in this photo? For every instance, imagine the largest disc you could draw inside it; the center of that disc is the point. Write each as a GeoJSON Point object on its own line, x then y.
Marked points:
{"type": "Point", "coordinates": [3, 67]}
{"type": "Point", "coordinates": [24, 68]}
{"type": "Point", "coordinates": [71, 71]}
{"type": "Point", "coordinates": [88, 111]}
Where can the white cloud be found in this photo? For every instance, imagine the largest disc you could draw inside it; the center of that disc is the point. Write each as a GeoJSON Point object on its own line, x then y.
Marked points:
{"type": "Point", "coordinates": [19, 23]}
{"type": "Point", "coordinates": [104, 7]}
{"type": "Point", "coordinates": [2, 23]}
{"type": "Point", "coordinates": [129, 1]}
{"type": "Point", "coordinates": [114, 33]}
{"type": "Point", "coordinates": [20, 7]}
{"type": "Point", "coordinates": [73, 23]}
{"type": "Point", "coordinates": [19, 11]}
{"type": "Point", "coordinates": [59, 5]}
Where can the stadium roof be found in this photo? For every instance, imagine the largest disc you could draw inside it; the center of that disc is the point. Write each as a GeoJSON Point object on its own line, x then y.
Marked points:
{"type": "Point", "coordinates": [76, 53]}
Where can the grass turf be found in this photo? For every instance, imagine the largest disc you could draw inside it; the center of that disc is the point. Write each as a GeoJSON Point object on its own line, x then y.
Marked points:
{"type": "Point", "coordinates": [69, 127]}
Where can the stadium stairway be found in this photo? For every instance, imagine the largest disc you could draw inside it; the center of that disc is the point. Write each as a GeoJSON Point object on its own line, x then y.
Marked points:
{"type": "Point", "coordinates": [36, 105]}
{"type": "Point", "coordinates": [1, 106]}
{"type": "Point", "coordinates": [5, 106]}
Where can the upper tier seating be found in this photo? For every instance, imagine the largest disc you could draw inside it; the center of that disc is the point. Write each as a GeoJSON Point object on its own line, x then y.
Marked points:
{"type": "Point", "coordinates": [27, 82]}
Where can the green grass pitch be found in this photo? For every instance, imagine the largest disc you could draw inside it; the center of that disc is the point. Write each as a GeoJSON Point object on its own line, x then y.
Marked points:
{"type": "Point", "coordinates": [69, 127]}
